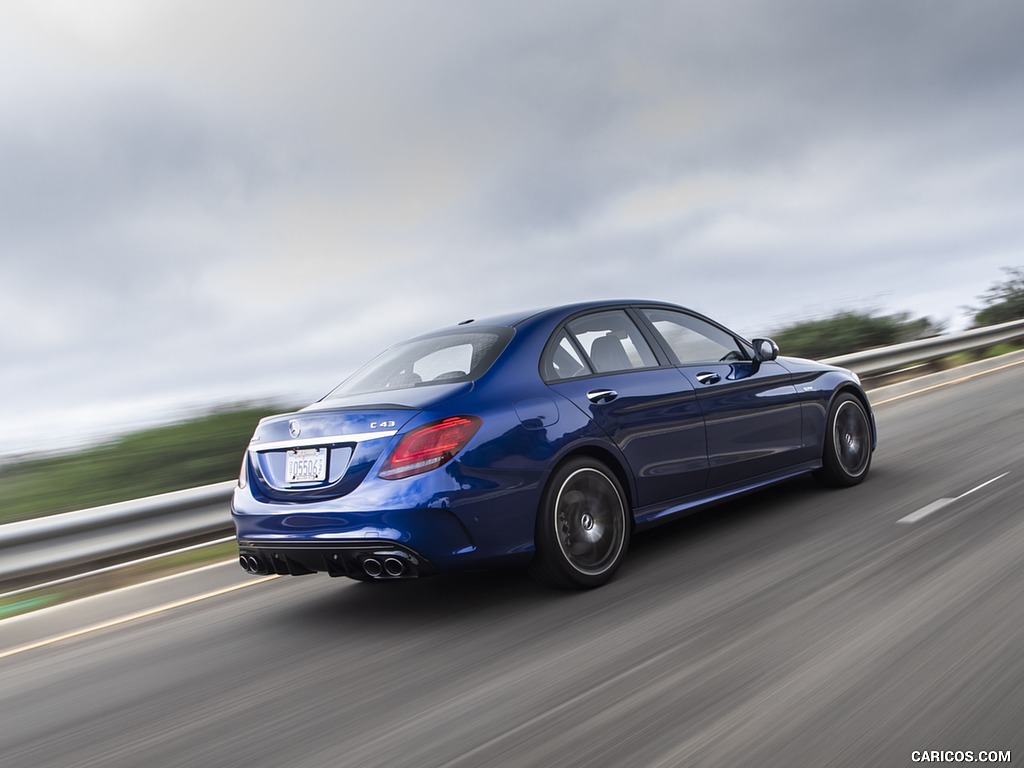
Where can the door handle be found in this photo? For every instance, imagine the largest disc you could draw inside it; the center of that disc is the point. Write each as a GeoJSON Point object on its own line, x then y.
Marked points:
{"type": "Point", "coordinates": [602, 395]}
{"type": "Point", "coordinates": [708, 377]}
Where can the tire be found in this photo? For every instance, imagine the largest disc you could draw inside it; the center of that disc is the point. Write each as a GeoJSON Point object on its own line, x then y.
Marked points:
{"type": "Point", "coordinates": [846, 457]}
{"type": "Point", "coordinates": [583, 527]}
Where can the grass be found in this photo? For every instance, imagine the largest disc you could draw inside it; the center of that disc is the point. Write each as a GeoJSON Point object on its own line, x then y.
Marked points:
{"type": "Point", "coordinates": [1001, 349]}
{"type": "Point", "coordinates": [963, 358]}
{"type": "Point", "coordinates": [207, 449]}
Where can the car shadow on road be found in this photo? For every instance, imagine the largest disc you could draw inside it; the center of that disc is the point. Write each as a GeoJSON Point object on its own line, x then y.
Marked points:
{"type": "Point", "coordinates": [420, 602]}
{"type": "Point", "coordinates": [679, 550]}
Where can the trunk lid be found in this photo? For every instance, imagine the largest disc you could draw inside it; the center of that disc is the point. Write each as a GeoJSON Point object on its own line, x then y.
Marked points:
{"type": "Point", "coordinates": [326, 449]}
{"type": "Point", "coordinates": [320, 454]}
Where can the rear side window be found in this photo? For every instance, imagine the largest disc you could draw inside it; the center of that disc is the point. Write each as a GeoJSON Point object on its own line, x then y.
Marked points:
{"type": "Point", "coordinates": [610, 342]}
{"type": "Point", "coordinates": [441, 359]}
{"type": "Point", "coordinates": [563, 360]}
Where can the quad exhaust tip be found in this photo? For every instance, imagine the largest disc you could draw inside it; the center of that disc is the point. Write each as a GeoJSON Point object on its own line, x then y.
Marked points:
{"type": "Point", "coordinates": [375, 567]}
{"type": "Point", "coordinates": [390, 567]}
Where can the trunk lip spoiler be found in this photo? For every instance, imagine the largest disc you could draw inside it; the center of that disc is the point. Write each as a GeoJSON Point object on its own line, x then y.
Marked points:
{"type": "Point", "coordinates": [313, 441]}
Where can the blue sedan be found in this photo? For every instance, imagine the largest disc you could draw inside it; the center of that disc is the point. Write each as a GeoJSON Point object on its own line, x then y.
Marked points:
{"type": "Point", "coordinates": [543, 439]}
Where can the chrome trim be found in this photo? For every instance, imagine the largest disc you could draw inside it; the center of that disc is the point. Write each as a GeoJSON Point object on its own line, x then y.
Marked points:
{"type": "Point", "coordinates": [314, 442]}
{"type": "Point", "coordinates": [602, 395]}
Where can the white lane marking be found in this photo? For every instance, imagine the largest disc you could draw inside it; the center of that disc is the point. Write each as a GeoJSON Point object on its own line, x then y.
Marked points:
{"type": "Point", "coordinates": [133, 617]}
{"type": "Point", "coordinates": [938, 504]}
{"type": "Point", "coordinates": [117, 567]}
{"type": "Point", "coordinates": [943, 384]}
{"type": "Point", "coordinates": [116, 592]}
{"type": "Point", "coordinates": [979, 487]}
{"type": "Point", "coordinates": [935, 506]}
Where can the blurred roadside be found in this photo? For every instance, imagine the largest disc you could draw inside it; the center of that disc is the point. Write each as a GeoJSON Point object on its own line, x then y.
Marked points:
{"type": "Point", "coordinates": [206, 449]}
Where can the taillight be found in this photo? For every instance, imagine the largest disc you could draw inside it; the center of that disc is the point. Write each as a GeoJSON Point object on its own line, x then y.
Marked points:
{"type": "Point", "coordinates": [429, 446]}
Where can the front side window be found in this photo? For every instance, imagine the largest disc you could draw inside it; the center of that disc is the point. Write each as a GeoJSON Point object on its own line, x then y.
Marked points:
{"type": "Point", "coordinates": [611, 342]}
{"type": "Point", "coordinates": [692, 340]}
{"type": "Point", "coordinates": [442, 359]}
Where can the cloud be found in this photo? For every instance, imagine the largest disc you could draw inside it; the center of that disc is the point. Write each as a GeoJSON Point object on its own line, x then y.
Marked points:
{"type": "Point", "coordinates": [217, 199]}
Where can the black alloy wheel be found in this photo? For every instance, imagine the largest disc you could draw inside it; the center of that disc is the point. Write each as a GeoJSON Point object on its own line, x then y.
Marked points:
{"type": "Point", "coordinates": [583, 527]}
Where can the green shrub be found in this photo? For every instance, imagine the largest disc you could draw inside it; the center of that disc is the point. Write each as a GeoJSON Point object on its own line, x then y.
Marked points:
{"type": "Point", "coordinates": [1004, 301]}
{"type": "Point", "coordinates": [850, 331]}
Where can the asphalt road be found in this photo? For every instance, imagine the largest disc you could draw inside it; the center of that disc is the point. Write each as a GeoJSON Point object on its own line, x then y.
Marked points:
{"type": "Point", "coordinates": [797, 627]}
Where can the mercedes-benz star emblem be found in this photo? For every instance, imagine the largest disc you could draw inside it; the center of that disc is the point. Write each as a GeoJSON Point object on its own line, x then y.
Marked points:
{"type": "Point", "coordinates": [294, 429]}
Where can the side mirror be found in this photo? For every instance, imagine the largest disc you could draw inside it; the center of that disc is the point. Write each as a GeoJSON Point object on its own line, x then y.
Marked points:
{"type": "Point", "coordinates": [765, 350]}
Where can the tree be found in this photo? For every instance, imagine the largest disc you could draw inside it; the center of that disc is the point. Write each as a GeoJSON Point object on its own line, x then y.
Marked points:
{"type": "Point", "coordinates": [850, 331]}
{"type": "Point", "coordinates": [1004, 301]}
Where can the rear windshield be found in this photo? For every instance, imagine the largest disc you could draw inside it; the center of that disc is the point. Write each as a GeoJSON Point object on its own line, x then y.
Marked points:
{"type": "Point", "coordinates": [442, 359]}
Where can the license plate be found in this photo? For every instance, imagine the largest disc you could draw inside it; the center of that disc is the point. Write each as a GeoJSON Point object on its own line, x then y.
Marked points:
{"type": "Point", "coordinates": [306, 465]}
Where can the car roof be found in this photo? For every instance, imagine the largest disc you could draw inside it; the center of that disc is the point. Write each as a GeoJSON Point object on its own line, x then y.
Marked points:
{"type": "Point", "coordinates": [530, 320]}
{"type": "Point", "coordinates": [561, 310]}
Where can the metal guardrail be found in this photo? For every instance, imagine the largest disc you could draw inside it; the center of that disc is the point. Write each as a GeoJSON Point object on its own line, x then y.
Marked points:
{"type": "Point", "coordinates": [872, 362]}
{"type": "Point", "coordinates": [59, 544]}
{"type": "Point", "coordinates": [80, 540]}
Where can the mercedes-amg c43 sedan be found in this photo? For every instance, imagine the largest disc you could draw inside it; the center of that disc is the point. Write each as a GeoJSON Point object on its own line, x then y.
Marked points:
{"type": "Point", "coordinates": [543, 439]}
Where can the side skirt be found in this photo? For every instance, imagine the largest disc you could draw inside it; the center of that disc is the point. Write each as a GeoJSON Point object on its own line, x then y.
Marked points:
{"type": "Point", "coordinates": [647, 517]}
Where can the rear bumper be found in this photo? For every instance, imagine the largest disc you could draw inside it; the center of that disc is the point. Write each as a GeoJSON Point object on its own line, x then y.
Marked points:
{"type": "Point", "coordinates": [443, 521]}
{"type": "Point", "coordinates": [366, 560]}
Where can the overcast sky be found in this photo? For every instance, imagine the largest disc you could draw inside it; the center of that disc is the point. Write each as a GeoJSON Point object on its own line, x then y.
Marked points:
{"type": "Point", "coordinates": [206, 201]}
